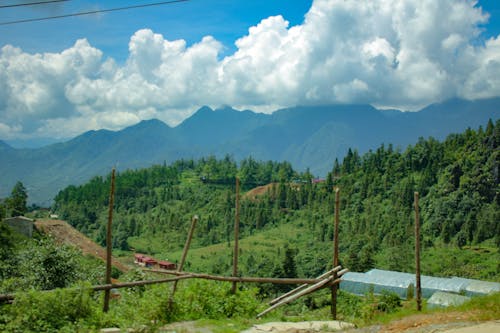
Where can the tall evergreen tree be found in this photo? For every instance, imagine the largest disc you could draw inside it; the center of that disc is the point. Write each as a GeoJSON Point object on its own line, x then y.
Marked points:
{"type": "Point", "coordinates": [18, 200]}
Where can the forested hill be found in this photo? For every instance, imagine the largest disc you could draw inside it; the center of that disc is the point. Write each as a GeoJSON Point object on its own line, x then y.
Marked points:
{"type": "Point", "coordinates": [306, 136]}
{"type": "Point", "coordinates": [458, 181]}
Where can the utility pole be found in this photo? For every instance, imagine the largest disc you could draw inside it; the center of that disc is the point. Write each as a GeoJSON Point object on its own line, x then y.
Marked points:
{"type": "Point", "coordinates": [418, 286]}
{"type": "Point", "coordinates": [236, 234]}
{"type": "Point", "coordinates": [335, 252]}
{"type": "Point", "coordinates": [109, 241]}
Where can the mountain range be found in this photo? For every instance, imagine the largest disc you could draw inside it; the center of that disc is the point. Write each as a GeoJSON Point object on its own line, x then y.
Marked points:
{"type": "Point", "coordinates": [307, 136]}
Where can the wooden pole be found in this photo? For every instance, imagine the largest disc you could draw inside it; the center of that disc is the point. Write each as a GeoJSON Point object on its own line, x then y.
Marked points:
{"type": "Point", "coordinates": [335, 252]}
{"type": "Point", "coordinates": [101, 287]}
{"type": "Point", "coordinates": [418, 286]}
{"type": "Point", "coordinates": [188, 243]}
{"type": "Point", "coordinates": [236, 234]}
{"type": "Point", "coordinates": [183, 258]}
{"type": "Point", "coordinates": [304, 292]}
{"type": "Point", "coordinates": [108, 241]}
{"type": "Point", "coordinates": [323, 276]}
{"type": "Point", "coordinates": [184, 276]}
{"type": "Point", "coordinates": [240, 279]}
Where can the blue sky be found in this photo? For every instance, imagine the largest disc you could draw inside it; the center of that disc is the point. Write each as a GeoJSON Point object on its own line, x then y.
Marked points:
{"type": "Point", "coordinates": [61, 77]}
{"type": "Point", "coordinates": [226, 20]}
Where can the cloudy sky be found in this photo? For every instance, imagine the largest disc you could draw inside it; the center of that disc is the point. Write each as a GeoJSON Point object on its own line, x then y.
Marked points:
{"type": "Point", "coordinates": [59, 78]}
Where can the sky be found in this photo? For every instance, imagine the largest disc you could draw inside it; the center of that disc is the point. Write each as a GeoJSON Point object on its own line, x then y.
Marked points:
{"type": "Point", "coordinates": [62, 77]}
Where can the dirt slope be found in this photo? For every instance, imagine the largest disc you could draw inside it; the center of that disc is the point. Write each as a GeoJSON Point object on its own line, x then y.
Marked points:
{"type": "Point", "coordinates": [258, 191]}
{"type": "Point", "coordinates": [65, 233]}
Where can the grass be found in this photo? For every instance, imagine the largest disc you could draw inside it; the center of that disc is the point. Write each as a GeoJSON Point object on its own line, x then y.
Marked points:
{"type": "Point", "coordinates": [268, 242]}
{"type": "Point", "coordinates": [478, 309]}
{"type": "Point", "coordinates": [481, 308]}
{"type": "Point", "coordinates": [476, 262]}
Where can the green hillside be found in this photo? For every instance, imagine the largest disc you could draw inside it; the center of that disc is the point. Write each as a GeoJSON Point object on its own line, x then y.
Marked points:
{"type": "Point", "coordinates": [458, 181]}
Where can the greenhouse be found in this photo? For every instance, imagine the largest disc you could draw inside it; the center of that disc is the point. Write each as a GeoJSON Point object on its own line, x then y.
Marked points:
{"type": "Point", "coordinates": [441, 299]}
{"type": "Point", "coordinates": [363, 283]}
{"type": "Point", "coordinates": [403, 284]}
{"type": "Point", "coordinates": [478, 287]}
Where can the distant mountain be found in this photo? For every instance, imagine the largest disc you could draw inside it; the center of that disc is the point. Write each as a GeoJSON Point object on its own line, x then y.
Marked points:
{"type": "Point", "coordinates": [307, 136]}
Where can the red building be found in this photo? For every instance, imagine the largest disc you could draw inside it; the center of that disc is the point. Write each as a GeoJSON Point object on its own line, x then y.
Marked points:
{"type": "Point", "coordinates": [145, 261]}
{"type": "Point", "coordinates": [149, 262]}
{"type": "Point", "coordinates": [167, 265]}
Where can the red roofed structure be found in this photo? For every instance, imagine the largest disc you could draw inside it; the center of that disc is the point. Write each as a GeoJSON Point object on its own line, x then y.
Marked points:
{"type": "Point", "coordinates": [167, 265]}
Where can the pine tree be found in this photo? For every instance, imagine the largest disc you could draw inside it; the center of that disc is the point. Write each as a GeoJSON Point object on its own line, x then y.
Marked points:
{"type": "Point", "coordinates": [18, 200]}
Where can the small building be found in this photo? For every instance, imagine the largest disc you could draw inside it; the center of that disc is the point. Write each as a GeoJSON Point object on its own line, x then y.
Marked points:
{"type": "Point", "coordinates": [149, 262]}
{"type": "Point", "coordinates": [21, 224]}
{"type": "Point", "coordinates": [138, 258]}
{"type": "Point", "coordinates": [163, 264]}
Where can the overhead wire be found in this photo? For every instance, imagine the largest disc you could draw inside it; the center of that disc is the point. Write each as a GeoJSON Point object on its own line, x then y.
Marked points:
{"type": "Point", "coordinates": [31, 3]}
{"type": "Point", "coordinates": [98, 11]}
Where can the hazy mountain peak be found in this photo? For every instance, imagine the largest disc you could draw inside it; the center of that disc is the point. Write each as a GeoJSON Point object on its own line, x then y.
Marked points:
{"type": "Point", "coordinates": [306, 136]}
{"type": "Point", "coordinates": [4, 145]}
{"type": "Point", "coordinates": [203, 110]}
{"type": "Point", "coordinates": [224, 107]}
{"type": "Point", "coordinates": [150, 123]}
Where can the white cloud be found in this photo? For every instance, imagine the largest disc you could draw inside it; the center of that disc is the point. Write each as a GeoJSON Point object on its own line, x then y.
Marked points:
{"type": "Point", "coordinates": [398, 53]}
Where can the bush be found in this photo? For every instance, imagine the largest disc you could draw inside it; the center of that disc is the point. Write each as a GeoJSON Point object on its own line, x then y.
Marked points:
{"type": "Point", "coordinates": [388, 302]}
{"type": "Point", "coordinates": [213, 300]}
{"type": "Point", "coordinates": [37, 311]}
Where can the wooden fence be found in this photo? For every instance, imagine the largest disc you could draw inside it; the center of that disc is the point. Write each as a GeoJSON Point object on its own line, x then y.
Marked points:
{"type": "Point", "coordinates": [331, 278]}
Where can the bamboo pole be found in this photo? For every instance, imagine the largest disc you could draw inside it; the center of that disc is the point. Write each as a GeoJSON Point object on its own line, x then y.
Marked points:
{"type": "Point", "coordinates": [187, 275]}
{"type": "Point", "coordinates": [239, 279]}
{"type": "Point", "coordinates": [188, 243]}
{"type": "Point", "coordinates": [108, 241]}
{"type": "Point", "coordinates": [304, 292]}
{"type": "Point", "coordinates": [299, 288]}
{"type": "Point", "coordinates": [335, 252]}
{"type": "Point", "coordinates": [138, 283]}
{"type": "Point", "coordinates": [183, 258]}
{"type": "Point", "coordinates": [417, 255]}
{"type": "Point", "coordinates": [236, 235]}
{"type": "Point", "coordinates": [104, 287]}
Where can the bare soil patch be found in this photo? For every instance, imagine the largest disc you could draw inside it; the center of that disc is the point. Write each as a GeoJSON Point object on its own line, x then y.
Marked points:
{"type": "Point", "coordinates": [65, 233]}
{"type": "Point", "coordinates": [254, 193]}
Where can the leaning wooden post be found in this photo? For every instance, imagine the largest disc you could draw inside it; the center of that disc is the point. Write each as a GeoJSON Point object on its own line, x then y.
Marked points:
{"type": "Point", "coordinates": [188, 243]}
{"type": "Point", "coordinates": [236, 234]}
{"type": "Point", "coordinates": [108, 241]}
{"type": "Point", "coordinates": [183, 258]}
{"type": "Point", "coordinates": [418, 286]}
{"type": "Point", "coordinates": [335, 252]}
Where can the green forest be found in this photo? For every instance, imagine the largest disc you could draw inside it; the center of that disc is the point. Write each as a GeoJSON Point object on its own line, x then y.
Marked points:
{"type": "Point", "coordinates": [286, 230]}
{"type": "Point", "coordinates": [457, 179]}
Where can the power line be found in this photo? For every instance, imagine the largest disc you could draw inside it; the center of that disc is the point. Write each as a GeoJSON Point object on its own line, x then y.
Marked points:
{"type": "Point", "coordinates": [32, 3]}
{"type": "Point", "coordinates": [93, 12]}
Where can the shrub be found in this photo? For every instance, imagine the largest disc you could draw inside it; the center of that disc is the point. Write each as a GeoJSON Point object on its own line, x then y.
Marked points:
{"type": "Point", "coordinates": [388, 302]}
{"type": "Point", "coordinates": [37, 311]}
{"type": "Point", "coordinates": [213, 300]}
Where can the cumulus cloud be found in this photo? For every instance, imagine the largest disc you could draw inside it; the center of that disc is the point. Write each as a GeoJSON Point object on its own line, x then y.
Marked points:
{"type": "Point", "coordinates": [389, 53]}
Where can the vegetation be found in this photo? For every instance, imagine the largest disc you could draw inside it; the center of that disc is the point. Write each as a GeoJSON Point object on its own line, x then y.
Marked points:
{"type": "Point", "coordinates": [458, 182]}
{"type": "Point", "coordinates": [41, 264]}
{"type": "Point", "coordinates": [286, 230]}
{"type": "Point", "coordinates": [16, 204]}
